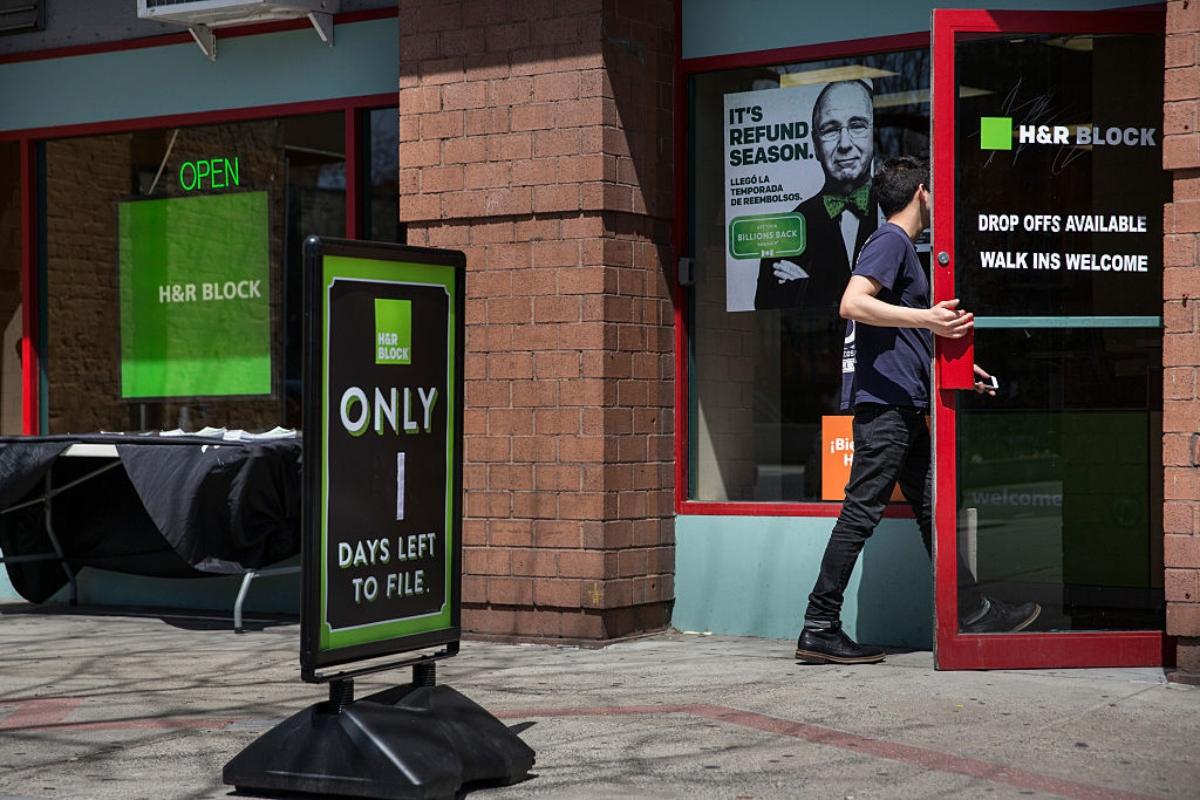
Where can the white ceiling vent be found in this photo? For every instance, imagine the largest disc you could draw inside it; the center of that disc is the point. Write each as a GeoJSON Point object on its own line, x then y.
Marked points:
{"type": "Point", "coordinates": [202, 16]}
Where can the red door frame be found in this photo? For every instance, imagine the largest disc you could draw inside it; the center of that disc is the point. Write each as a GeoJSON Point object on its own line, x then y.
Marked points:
{"type": "Point", "coordinates": [31, 370]}
{"type": "Point", "coordinates": [353, 109]}
{"type": "Point", "coordinates": [953, 650]}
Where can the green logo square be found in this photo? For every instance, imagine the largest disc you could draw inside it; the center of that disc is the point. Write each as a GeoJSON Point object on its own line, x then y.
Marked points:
{"type": "Point", "coordinates": [393, 331]}
{"type": "Point", "coordinates": [995, 133]}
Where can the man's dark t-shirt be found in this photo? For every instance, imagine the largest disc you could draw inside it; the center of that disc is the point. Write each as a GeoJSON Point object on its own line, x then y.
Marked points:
{"type": "Point", "coordinates": [892, 364]}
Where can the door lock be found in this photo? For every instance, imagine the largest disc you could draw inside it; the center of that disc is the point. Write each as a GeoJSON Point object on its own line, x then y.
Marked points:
{"type": "Point", "coordinates": [943, 258]}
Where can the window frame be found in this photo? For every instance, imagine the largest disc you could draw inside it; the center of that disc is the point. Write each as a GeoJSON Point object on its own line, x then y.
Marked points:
{"type": "Point", "coordinates": [31, 141]}
{"type": "Point", "coordinates": [685, 70]}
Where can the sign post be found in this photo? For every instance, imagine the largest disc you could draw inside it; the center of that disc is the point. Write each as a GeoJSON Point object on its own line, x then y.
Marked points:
{"type": "Point", "coordinates": [383, 388]}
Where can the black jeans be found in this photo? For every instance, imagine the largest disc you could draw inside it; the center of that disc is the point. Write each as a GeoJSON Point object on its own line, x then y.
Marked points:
{"type": "Point", "coordinates": [891, 445]}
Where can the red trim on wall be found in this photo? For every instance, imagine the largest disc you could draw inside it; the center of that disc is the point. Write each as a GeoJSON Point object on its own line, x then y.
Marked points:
{"type": "Point", "coordinates": [30, 370]}
{"type": "Point", "coordinates": [741, 509]}
{"type": "Point", "coordinates": [679, 293]}
{"type": "Point", "coordinates": [204, 117]}
{"type": "Point", "coordinates": [167, 39]}
{"type": "Point", "coordinates": [351, 136]}
{"type": "Point", "coordinates": [953, 650]}
{"type": "Point", "coordinates": [809, 52]}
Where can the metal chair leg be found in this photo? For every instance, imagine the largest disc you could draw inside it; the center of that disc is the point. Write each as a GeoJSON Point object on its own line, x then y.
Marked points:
{"type": "Point", "coordinates": [48, 507]}
{"type": "Point", "coordinates": [237, 606]}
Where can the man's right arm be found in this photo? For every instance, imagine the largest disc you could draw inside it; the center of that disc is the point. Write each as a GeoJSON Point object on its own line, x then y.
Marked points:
{"type": "Point", "coordinates": [861, 304]}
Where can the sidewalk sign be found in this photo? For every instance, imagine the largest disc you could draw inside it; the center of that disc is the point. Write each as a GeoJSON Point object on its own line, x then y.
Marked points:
{"type": "Point", "coordinates": [382, 551]}
{"type": "Point", "coordinates": [383, 433]}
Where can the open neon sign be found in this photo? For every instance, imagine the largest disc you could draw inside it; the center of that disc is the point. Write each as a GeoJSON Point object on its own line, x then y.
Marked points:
{"type": "Point", "coordinates": [209, 173]}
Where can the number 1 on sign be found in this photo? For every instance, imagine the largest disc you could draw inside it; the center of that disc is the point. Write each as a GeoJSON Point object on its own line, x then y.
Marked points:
{"type": "Point", "coordinates": [399, 486]}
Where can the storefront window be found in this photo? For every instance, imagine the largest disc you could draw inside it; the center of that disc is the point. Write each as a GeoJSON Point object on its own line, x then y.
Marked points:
{"type": "Point", "coordinates": [781, 202]}
{"type": "Point", "coordinates": [173, 270]}
{"type": "Point", "coordinates": [382, 217]}
{"type": "Point", "coordinates": [10, 290]}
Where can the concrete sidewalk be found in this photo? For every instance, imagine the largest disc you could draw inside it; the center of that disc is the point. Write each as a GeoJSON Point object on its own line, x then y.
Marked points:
{"type": "Point", "coordinates": [97, 707]}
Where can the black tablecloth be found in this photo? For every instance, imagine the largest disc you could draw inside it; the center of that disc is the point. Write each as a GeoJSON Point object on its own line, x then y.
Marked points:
{"type": "Point", "coordinates": [175, 507]}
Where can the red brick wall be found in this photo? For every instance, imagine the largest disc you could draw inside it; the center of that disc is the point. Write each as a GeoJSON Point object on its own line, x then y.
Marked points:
{"type": "Point", "coordinates": [1181, 347]}
{"type": "Point", "coordinates": [536, 137]}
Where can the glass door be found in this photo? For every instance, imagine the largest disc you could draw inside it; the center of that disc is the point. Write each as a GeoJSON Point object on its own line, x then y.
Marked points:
{"type": "Point", "coordinates": [1048, 192]}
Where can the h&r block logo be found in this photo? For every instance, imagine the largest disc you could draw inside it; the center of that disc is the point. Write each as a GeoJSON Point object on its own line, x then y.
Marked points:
{"type": "Point", "coordinates": [995, 133]}
{"type": "Point", "coordinates": [393, 331]}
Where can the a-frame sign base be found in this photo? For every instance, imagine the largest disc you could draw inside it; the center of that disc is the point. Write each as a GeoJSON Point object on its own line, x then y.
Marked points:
{"type": "Point", "coordinates": [382, 521]}
{"type": "Point", "coordinates": [418, 742]}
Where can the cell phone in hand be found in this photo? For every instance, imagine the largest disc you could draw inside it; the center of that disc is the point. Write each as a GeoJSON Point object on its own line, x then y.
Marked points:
{"type": "Point", "coordinates": [990, 383]}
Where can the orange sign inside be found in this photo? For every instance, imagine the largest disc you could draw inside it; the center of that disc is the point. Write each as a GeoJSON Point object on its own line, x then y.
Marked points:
{"type": "Point", "coordinates": [837, 453]}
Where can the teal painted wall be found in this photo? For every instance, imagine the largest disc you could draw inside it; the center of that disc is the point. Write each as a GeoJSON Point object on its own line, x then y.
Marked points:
{"type": "Point", "coordinates": [287, 67]}
{"type": "Point", "coordinates": [7, 593]}
{"type": "Point", "coordinates": [746, 576]}
{"type": "Point", "coordinates": [720, 27]}
{"type": "Point", "coordinates": [273, 594]}
{"type": "Point", "coordinates": [750, 576]}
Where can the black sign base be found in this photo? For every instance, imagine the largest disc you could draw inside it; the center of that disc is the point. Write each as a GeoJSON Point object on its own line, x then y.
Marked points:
{"type": "Point", "coordinates": [419, 742]}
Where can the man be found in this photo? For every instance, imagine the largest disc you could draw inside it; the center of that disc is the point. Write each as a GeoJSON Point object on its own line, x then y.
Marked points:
{"type": "Point", "coordinates": [887, 300]}
{"type": "Point", "coordinates": [841, 216]}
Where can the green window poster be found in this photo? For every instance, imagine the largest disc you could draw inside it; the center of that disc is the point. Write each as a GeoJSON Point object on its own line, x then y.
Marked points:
{"type": "Point", "coordinates": [195, 296]}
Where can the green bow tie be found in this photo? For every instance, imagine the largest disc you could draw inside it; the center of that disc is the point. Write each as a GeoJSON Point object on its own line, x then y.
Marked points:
{"type": "Point", "coordinates": [857, 200]}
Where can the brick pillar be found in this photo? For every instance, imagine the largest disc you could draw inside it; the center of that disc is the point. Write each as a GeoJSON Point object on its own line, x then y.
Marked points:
{"type": "Point", "coordinates": [1181, 343]}
{"type": "Point", "coordinates": [536, 136]}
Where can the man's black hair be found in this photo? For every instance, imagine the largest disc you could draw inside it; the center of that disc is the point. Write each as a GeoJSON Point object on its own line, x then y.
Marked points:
{"type": "Point", "coordinates": [897, 182]}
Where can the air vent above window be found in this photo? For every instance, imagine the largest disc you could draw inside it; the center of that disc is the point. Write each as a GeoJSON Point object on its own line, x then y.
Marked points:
{"type": "Point", "coordinates": [201, 16]}
{"type": "Point", "coordinates": [22, 16]}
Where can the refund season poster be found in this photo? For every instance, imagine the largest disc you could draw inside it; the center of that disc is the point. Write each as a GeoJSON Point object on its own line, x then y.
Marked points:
{"type": "Point", "coordinates": [387, 519]}
{"type": "Point", "coordinates": [771, 167]}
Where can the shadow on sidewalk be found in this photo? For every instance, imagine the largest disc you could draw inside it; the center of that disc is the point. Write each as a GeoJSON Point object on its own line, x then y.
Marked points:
{"type": "Point", "coordinates": [183, 619]}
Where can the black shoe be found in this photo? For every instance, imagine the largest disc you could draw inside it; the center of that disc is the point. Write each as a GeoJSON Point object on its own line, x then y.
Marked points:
{"type": "Point", "coordinates": [997, 616]}
{"type": "Point", "coordinates": [833, 646]}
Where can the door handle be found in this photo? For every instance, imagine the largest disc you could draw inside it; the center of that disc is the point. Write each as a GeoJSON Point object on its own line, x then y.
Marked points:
{"type": "Point", "coordinates": [955, 357]}
{"type": "Point", "coordinates": [956, 362]}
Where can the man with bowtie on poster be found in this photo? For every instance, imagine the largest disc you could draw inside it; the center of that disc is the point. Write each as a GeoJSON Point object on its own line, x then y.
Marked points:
{"type": "Point", "coordinates": [840, 217]}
